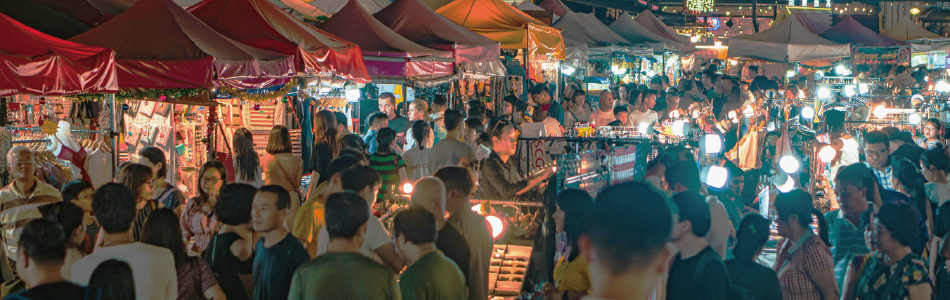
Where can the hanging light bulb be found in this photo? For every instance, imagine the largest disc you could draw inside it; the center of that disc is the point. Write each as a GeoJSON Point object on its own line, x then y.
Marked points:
{"type": "Point", "coordinates": [644, 128]}
{"type": "Point", "coordinates": [914, 118]}
{"type": "Point", "coordinates": [674, 114]}
{"type": "Point", "coordinates": [808, 112]}
{"type": "Point", "coordinates": [942, 86]}
{"type": "Point", "coordinates": [695, 114]}
{"type": "Point", "coordinates": [651, 73]}
{"type": "Point", "coordinates": [880, 111]}
{"type": "Point", "coordinates": [824, 92]}
{"type": "Point", "coordinates": [352, 92]}
{"type": "Point", "coordinates": [496, 226]}
{"type": "Point", "coordinates": [748, 111]}
{"type": "Point", "coordinates": [407, 188]}
{"type": "Point", "coordinates": [732, 114]}
{"type": "Point", "coordinates": [827, 153]}
{"type": "Point", "coordinates": [567, 70]}
{"type": "Point", "coordinates": [680, 127]}
{"type": "Point", "coordinates": [789, 164]}
{"type": "Point", "coordinates": [716, 176]}
{"type": "Point", "coordinates": [788, 185]}
{"type": "Point", "coordinates": [863, 88]}
{"type": "Point", "coordinates": [848, 90]}
{"type": "Point", "coordinates": [819, 75]}
{"type": "Point", "coordinates": [842, 70]}
{"type": "Point", "coordinates": [790, 73]}
{"type": "Point", "coordinates": [711, 143]}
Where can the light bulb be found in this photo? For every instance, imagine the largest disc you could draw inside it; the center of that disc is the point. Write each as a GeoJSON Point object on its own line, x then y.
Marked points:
{"type": "Point", "coordinates": [680, 127]}
{"type": "Point", "coordinates": [788, 186]}
{"type": "Point", "coordinates": [477, 208]}
{"type": "Point", "coordinates": [674, 114]}
{"type": "Point", "coordinates": [711, 143]}
{"type": "Point", "coordinates": [407, 188]}
{"type": "Point", "coordinates": [717, 176]}
{"type": "Point", "coordinates": [695, 114]}
{"type": "Point", "coordinates": [789, 163]}
{"type": "Point", "coordinates": [880, 111]}
{"type": "Point", "coordinates": [826, 154]}
{"type": "Point", "coordinates": [618, 70]}
{"type": "Point", "coordinates": [567, 70]}
{"type": "Point", "coordinates": [651, 73]}
{"type": "Point", "coordinates": [942, 86]}
{"type": "Point", "coordinates": [848, 90]}
{"type": "Point", "coordinates": [863, 88]}
{"type": "Point", "coordinates": [644, 128]}
{"type": "Point", "coordinates": [914, 118]}
{"type": "Point", "coordinates": [732, 114]}
{"type": "Point", "coordinates": [748, 111]}
{"type": "Point", "coordinates": [790, 73]}
{"type": "Point", "coordinates": [842, 70]}
{"type": "Point", "coordinates": [496, 226]}
{"type": "Point", "coordinates": [808, 112]}
{"type": "Point", "coordinates": [824, 92]}
{"type": "Point", "coordinates": [819, 75]}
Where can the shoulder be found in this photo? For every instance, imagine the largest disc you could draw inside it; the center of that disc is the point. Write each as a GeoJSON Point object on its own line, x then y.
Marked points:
{"type": "Point", "coordinates": [46, 189]}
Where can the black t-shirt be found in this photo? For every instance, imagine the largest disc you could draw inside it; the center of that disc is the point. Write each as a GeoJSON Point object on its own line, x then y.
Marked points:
{"type": "Point", "coordinates": [758, 83]}
{"type": "Point", "coordinates": [454, 246]}
{"type": "Point", "coordinates": [227, 267]}
{"type": "Point", "coordinates": [51, 291]}
{"type": "Point", "coordinates": [320, 158]}
{"type": "Point", "coordinates": [758, 279]}
{"type": "Point", "coordinates": [713, 284]}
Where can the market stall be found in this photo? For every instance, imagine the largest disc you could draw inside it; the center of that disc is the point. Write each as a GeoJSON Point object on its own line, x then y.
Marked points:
{"type": "Point", "coordinates": [636, 34]}
{"type": "Point", "coordinates": [786, 42]}
{"type": "Point", "coordinates": [601, 40]}
{"type": "Point", "coordinates": [868, 49]}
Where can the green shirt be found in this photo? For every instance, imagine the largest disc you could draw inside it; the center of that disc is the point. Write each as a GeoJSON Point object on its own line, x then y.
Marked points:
{"type": "Point", "coordinates": [351, 276]}
{"type": "Point", "coordinates": [387, 165]}
{"type": "Point", "coordinates": [433, 277]}
{"type": "Point", "coordinates": [847, 240]}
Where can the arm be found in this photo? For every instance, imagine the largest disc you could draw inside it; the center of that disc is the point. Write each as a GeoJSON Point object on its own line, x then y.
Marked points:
{"type": "Point", "coordinates": [534, 182]}
{"type": "Point", "coordinates": [215, 293]}
{"type": "Point", "coordinates": [492, 172]}
{"type": "Point", "coordinates": [391, 259]}
{"type": "Point", "coordinates": [934, 246]}
{"type": "Point", "coordinates": [825, 280]}
{"type": "Point", "coordinates": [921, 291]}
{"type": "Point", "coordinates": [848, 293]}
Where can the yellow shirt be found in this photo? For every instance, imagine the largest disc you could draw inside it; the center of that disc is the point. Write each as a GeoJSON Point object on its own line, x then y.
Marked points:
{"type": "Point", "coordinates": [572, 276]}
{"type": "Point", "coordinates": [308, 222]}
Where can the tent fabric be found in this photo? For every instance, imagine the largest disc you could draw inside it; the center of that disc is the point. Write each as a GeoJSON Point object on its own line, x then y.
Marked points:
{"type": "Point", "coordinates": [815, 21]}
{"type": "Point", "coordinates": [849, 31]}
{"type": "Point", "coordinates": [417, 22]}
{"type": "Point", "coordinates": [649, 21]}
{"type": "Point", "coordinates": [263, 25]}
{"type": "Point", "coordinates": [906, 30]}
{"type": "Point", "coordinates": [32, 62]}
{"type": "Point", "coordinates": [528, 5]}
{"type": "Point", "coordinates": [586, 28]}
{"type": "Point", "coordinates": [785, 42]}
{"type": "Point", "coordinates": [501, 22]}
{"type": "Point", "coordinates": [334, 6]}
{"type": "Point", "coordinates": [42, 18]}
{"type": "Point", "coordinates": [80, 10]}
{"type": "Point", "coordinates": [577, 53]}
{"type": "Point", "coordinates": [636, 34]}
{"type": "Point", "coordinates": [436, 4]}
{"type": "Point", "coordinates": [179, 51]}
{"type": "Point", "coordinates": [386, 53]}
{"type": "Point", "coordinates": [555, 6]}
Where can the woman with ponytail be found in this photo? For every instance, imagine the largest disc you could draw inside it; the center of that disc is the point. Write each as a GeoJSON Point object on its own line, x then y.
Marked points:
{"type": "Point", "coordinates": [908, 181]}
{"type": "Point", "coordinates": [744, 271]}
{"type": "Point", "coordinates": [417, 156]}
{"type": "Point", "coordinates": [804, 263]}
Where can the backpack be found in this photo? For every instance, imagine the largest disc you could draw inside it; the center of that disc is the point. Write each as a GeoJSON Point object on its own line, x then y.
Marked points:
{"type": "Point", "coordinates": [735, 292]}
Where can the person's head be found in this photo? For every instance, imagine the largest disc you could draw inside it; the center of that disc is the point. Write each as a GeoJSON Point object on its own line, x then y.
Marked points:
{"type": "Point", "coordinates": [452, 119]}
{"type": "Point", "coordinates": [351, 142]}
{"type": "Point", "coordinates": [649, 99]}
{"type": "Point", "coordinates": [335, 172]}
{"type": "Point", "coordinates": [895, 226]}
{"type": "Point", "coordinates": [898, 139]}
{"type": "Point", "coordinates": [69, 217]}
{"type": "Point", "coordinates": [907, 179]}
{"type": "Point", "coordinates": [876, 149]}
{"type": "Point", "coordinates": [672, 98]}
{"type": "Point", "coordinates": [439, 103]}
{"type": "Point", "coordinates": [459, 186]}
{"type": "Point", "coordinates": [154, 158]}
{"type": "Point", "coordinates": [418, 110]}
{"type": "Point", "coordinates": [270, 207]}
{"type": "Point", "coordinates": [325, 129]}
{"type": "Point", "coordinates": [508, 104]}
{"type": "Point", "coordinates": [387, 104]}
{"type": "Point", "coordinates": [791, 92]}
{"type": "Point", "coordinates": [932, 163]}
{"type": "Point", "coordinates": [377, 121]}
{"type": "Point", "coordinates": [634, 97]}
{"type": "Point", "coordinates": [579, 98]}
{"type": "Point", "coordinates": [854, 185]}
{"type": "Point", "coordinates": [279, 141]}
{"type": "Point", "coordinates": [162, 230]}
{"type": "Point", "coordinates": [386, 138]}
{"type": "Point", "coordinates": [114, 207]}
{"type": "Point", "coordinates": [573, 215]}
{"type": "Point", "coordinates": [413, 228]}
{"type": "Point", "coordinates": [606, 99]}
{"type": "Point", "coordinates": [621, 113]}
{"type": "Point", "coordinates": [932, 128]}
{"type": "Point", "coordinates": [21, 163]}
{"type": "Point", "coordinates": [137, 177]}
{"type": "Point", "coordinates": [901, 69]}
{"type": "Point", "coordinates": [695, 218]}
{"type": "Point", "coordinates": [682, 176]}
{"type": "Point", "coordinates": [244, 154]}
{"type": "Point", "coordinates": [751, 236]}
{"type": "Point", "coordinates": [363, 180]}
{"type": "Point", "coordinates": [420, 133]}
{"type": "Point", "coordinates": [346, 215]}
{"type": "Point", "coordinates": [473, 126]}
{"type": "Point", "coordinates": [734, 93]}
{"type": "Point", "coordinates": [112, 280]}
{"type": "Point", "coordinates": [429, 194]}
{"type": "Point", "coordinates": [736, 181]}
{"type": "Point", "coordinates": [42, 250]}
{"type": "Point", "coordinates": [211, 177]}
{"type": "Point", "coordinates": [342, 125]}
{"type": "Point", "coordinates": [78, 190]}
{"type": "Point", "coordinates": [753, 71]}
{"type": "Point", "coordinates": [504, 137]}
{"type": "Point", "coordinates": [476, 112]}
{"type": "Point", "coordinates": [795, 211]}
{"type": "Point", "coordinates": [234, 204]}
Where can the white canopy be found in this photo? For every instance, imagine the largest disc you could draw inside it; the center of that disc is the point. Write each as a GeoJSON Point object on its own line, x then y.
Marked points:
{"type": "Point", "coordinates": [788, 41]}
{"type": "Point", "coordinates": [906, 30]}
{"type": "Point", "coordinates": [576, 53]}
{"type": "Point", "coordinates": [527, 5]}
{"type": "Point", "coordinates": [636, 34]}
{"type": "Point", "coordinates": [649, 21]}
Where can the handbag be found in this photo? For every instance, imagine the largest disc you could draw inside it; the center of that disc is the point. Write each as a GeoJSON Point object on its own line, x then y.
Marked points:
{"type": "Point", "coordinates": [290, 179]}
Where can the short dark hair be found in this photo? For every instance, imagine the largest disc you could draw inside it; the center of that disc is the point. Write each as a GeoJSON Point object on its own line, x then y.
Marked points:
{"type": "Point", "coordinates": [340, 118]}
{"type": "Point", "coordinates": [753, 68]}
{"type": "Point", "coordinates": [630, 234]}
{"type": "Point", "coordinates": [283, 196]}
{"type": "Point", "coordinates": [456, 178]}
{"type": "Point", "coordinates": [440, 100]}
{"type": "Point", "coordinates": [341, 163]}
{"type": "Point", "coordinates": [156, 155]}
{"type": "Point", "coordinates": [68, 215]}
{"type": "Point", "coordinates": [901, 69]}
{"type": "Point", "coordinates": [279, 140]}
{"type": "Point", "coordinates": [345, 213]}
{"type": "Point", "coordinates": [693, 208]}
{"type": "Point", "coordinates": [619, 109]}
{"type": "Point", "coordinates": [72, 189]}
{"type": "Point", "coordinates": [373, 117]}
{"type": "Point", "coordinates": [234, 203]}
{"type": "Point", "coordinates": [114, 206]}
{"type": "Point", "coordinates": [902, 136]}
{"type": "Point", "coordinates": [452, 119]}
{"type": "Point", "coordinates": [650, 92]}
{"type": "Point", "coordinates": [901, 221]}
{"type": "Point", "coordinates": [475, 123]}
{"type": "Point", "coordinates": [355, 153]}
{"type": "Point", "coordinates": [875, 137]}
{"type": "Point", "coordinates": [351, 142]}
{"type": "Point", "coordinates": [43, 241]}
{"type": "Point", "coordinates": [384, 139]}
{"type": "Point", "coordinates": [420, 131]}
{"type": "Point", "coordinates": [388, 95]}
{"type": "Point", "coordinates": [358, 178]}
{"type": "Point", "coordinates": [540, 88]}
{"type": "Point", "coordinates": [114, 278]}
{"type": "Point", "coordinates": [416, 224]}
{"type": "Point", "coordinates": [685, 173]}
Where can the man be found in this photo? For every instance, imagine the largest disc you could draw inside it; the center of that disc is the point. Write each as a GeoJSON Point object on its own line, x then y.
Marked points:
{"type": "Point", "coordinates": [732, 197]}
{"type": "Point", "coordinates": [688, 236]}
{"type": "Point", "coordinates": [684, 176]}
{"type": "Point", "coordinates": [278, 253]}
{"type": "Point", "coordinates": [758, 78]}
{"type": "Point", "coordinates": [450, 151]}
{"type": "Point", "coordinates": [374, 122]}
{"type": "Point", "coordinates": [656, 83]}
{"type": "Point", "coordinates": [645, 113]}
{"type": "Point", "coordinates": [376, 242]}
{"type": "Point", "coordinates": [876, 150]}
{"type": "Point", "coordinates": [626, 242]}
{"type": "Point", "coordinates": [387, 105]}
{"type": "Point", "coordinates": [620, 116]}
{"type": "Point", "coordinates": [603, 115]}
{"type": "Point", "coordinates": [672, 104]}
{"type": "Point", "coordinates": [309, 219]}
{"type": "Point", "coordinates": [430, 275]}
{"type": "Point", "coordinates": [429, 194]}
{"type": "Point", "coordinates": [499, 177]}
{"type": "Point", "coordinates": [342, 125]}
{"type": "Point", "coordinates": [459, 186]}
{"type": "Point", "coordinates": [845, 231]}
{"type": "Point", "coordinates": [19, 203]}
{"type": "Point", "coordinates": [439, 105]}
{"type": "Point", "coordinates": [42, 252]}
{"type": "Point", "coordinates": [344, 272]}
{"type": "Point", "coordinates": [541, 95]}
{"type": "Point", "coordinates": [904, 79]}
{"type": "Point", "coordinates": [153, 268]}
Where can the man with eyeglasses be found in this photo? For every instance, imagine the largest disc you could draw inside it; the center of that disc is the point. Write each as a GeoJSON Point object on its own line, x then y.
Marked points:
{"type": "Point", "coordinates": [499, 176]}
{"type": "Point", "coordinates": [876, 150]}
{"type": "Point", "coordinates": [19, 203]}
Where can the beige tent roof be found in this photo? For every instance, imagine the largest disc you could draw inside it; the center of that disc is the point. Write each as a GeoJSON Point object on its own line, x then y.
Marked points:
{"type": "Point", "coordinates": [908, 30]}
{"type": "Point", "coordinates": [788, 41]}
{"type": "Point", "coordinates": [528, 5]}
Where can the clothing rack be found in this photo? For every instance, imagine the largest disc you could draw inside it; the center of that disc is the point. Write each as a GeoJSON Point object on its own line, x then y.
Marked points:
{"type": "Point", "coordinates": [40, 129]}
{"type": "Point", "coordinates": [29, 141]}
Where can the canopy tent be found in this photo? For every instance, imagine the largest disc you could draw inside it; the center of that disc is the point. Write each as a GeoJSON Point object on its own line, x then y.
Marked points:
{"type": "Point", "coordinates": [527, 5]}
{"type": "Point", "coordinates": [32, 62]}
{"type": "Point", "coordinates": [636, 34]}
{"type": "Point", "coordinates": [555, 6]}
{"type": "Point", "coordinates": [501, 22]}
{"type": "Point", "coordinates": [417, 22]}
{"type": "Point", "coordinates": [849, 31]}
{"type": "Point", "coordinates": [260, 24]}
{"type": "Point", "coordinates": [576, 53]}
{"type": "Point", "coordinates": [42, 18]}
{"type": "Point", "coordinates": [785, 42]}
{"type": "Point", "coordinates": [386, 53]}
{"type": "Point", "coordinates": [329, 7]}
{"type": "Point", "coordinates": [79, 10]}
{"type": "Point", "coordinates": [649, 21]}
{"type": "Point", "coordinates": [600, 39]}
{"type": "Point", "coordinates": [176, 50]}
{"type": "Point", "coordinates": [906, 30]}
{"type": "Point", "coordinates": [815, 20]}
{"type": "Point", "coordinates": [436, 4]}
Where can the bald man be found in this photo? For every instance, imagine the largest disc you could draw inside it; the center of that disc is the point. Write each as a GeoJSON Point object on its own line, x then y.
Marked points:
{"type": "Point", "coordinates": [605, 114]}
{"type": "Point", "coordinates": [429, 193]}
{"type": "Point", "coordinates": [18, 204]}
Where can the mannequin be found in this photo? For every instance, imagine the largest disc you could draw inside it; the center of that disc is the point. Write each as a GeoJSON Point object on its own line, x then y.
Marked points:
{"type": "Point", "coordinates": [66, 146]}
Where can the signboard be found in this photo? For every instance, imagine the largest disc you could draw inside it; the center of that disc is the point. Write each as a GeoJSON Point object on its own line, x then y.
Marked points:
{"type": "Point", "coordinates": [872, 55]}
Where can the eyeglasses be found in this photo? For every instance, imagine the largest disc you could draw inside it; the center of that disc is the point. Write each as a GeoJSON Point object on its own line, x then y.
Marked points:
{"type": "Point", "coordinates": [210, 180]}
{"type": "Point", "coordinates": [23, 163]}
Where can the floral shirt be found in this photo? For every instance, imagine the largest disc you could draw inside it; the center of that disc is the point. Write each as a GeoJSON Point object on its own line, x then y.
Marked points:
{"type": "Point", "coordinates": [872, 283]}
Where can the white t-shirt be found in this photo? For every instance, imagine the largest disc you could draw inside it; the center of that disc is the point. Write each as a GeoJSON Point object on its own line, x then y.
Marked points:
{"type": "Point", "coordinates": [376, 236]}
{"type": "Point", "coordinates": [720, 225]}
{"type": "Point", "coordinates": [153, 269]}
{"type": "Point", "coordinates": [416, 161]}
{"type": "Point", "coordinates": [600, 118]}
{"type": "Point", "coordinates": [551, 127]}
{"type": "Point", "coordinates": [636, 117]}
{"type": "Point", "coordinates": [938, 193]}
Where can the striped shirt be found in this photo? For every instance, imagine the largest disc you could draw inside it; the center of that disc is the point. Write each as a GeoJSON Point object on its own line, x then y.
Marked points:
{"type": "Point", "coordinates": [388, 166]}
{"type": "Point", "coordinates": [847, 240]}
{"type": "Point", "coordinates": [883, 177]}
{"type": "Point", "coordinates": [17, 208]}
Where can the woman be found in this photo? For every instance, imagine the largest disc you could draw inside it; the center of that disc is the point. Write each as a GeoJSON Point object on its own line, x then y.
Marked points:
{"type": "Point", "coordinates": [230, 255]}
{"type": "Point", "coordinates": [744, 271]}
{"type": "Point", "coordinates": [804, 265]}
{"type": "Point", "coordinates": [79, 192]}
{"type": "Point", "coordinates": [247, 166]}
{"type": "Point", "coordinates": [138, 178]}
{"type": "Point", "coordinates": [195, 278]}
{"type": "Point", "coordinates": [578, 106]}
{"type": "Point", "coordinates": [352, 141]}
{"type": "Point", "coordinates": [390, 165]}
{"type": "Point", "coordinates": [938, 262]}
{"type": "Point", "coordinates": [571, 274]}
{"type": "Point", "coordinates": [419, 111]}
{"type": "Point", "coordinates": [473, 128]}
{"type": "Point", "coordinates": [934, 165]}
{"type": "Point", "coordinates": [908, 181]}
{"type": "Point", "coordinates": [417, 156]}
{"type": "Point", "coordinates": [895, 272]}
{"type": "Point", "coordinates": [636, 99]}
{"type": "Point", "coordinates": [932, 132]}
{"type": "Point", "coordinates": [199, 220]}
{"type": "Point", "coordinates": [165, 193]}
{"type": "Point", "coordinates": [69, 217]}
{"type": "Point", "coordinates": [325, 146]}
{"type": "Point", "coordinates": [111, 280]}
{"type": "Point", "coordinates": [283, 168]}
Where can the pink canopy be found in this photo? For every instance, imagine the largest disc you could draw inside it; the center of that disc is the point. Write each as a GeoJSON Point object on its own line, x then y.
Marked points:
{"type": "Point", "coordinates": [32, 62]}
{"type": "Point", "coordinates": [555, 6]}
{"type": "Point", "coordinates": [417, 22]}
{"type": "Point", "coordinates": [849, 31]}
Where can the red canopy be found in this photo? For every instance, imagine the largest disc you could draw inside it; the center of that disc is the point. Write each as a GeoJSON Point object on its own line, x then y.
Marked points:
{"type": "Point", "coordinates": [261, 24]}
{"type": "Point", "coordinates": [387, 54]}
{"type": "Point", "coordinates": [849, 31]}
{"type": "Point", "coordinates": [417, 22]}
{"type": "Point", "coordinates": [32, 62]}
{"type": "Point", "coordinates": [173, 49]}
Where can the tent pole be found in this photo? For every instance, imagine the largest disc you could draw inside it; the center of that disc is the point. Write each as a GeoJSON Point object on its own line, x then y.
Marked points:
{"type": "Point", "coordinates": [527, 74]}
{"type": "Point", "coordinates": [113, 134]}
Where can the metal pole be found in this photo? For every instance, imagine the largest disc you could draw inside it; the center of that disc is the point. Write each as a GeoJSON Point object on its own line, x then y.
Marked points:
{"type": "Point", "coordinates": [527, 73]}
{"type": "Point", "coordinates": [113, 122]}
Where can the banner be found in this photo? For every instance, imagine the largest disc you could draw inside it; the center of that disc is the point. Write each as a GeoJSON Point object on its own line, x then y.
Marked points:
{"type": "Point", "coordinates": [874, 55]}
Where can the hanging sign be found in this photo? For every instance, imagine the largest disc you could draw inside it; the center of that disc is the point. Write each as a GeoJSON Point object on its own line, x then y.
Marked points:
{"type": "Point", "coordinates": [873, 55]}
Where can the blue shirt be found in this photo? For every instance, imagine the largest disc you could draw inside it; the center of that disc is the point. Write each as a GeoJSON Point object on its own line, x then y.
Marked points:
{"type": "Point", "coordinates": [274, 267]}
{"type": "Point", "coordinates": [370, 140]}
{"type": "Point", "coordinates": [883, 177]}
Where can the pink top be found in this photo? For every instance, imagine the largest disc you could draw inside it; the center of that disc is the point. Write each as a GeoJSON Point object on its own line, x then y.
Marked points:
{"type": "Point", "coordinates": [196, 223]}
{"type": "Point", "coordinates": [78, 159]}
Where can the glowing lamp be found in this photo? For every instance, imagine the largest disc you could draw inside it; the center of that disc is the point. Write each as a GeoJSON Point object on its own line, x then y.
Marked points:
{"type": "Point", "coordinates": [819, 75]}
{"type": "Point", "coordinates": [643, 128]}
{"type": "Point", "coordinates": [680, 127]}
{"type": "Point", "coordinates": [864, 88]}
{"type": "Point", "coordinates": [826, 154]}
{"type": "Point", "coordinates": [651, 73]}
{"type": "Point", "coordinates": [674, 114]}
{"type": "Point", "coordinates": [716, 176]}
{"type": "Point", "coordinates": [694, 39]}
{"type": "Point", "coordinates": [880, 111]}
{"type": "Point", "coordinates": [790, 73]}
{"type": "Point", "coordinates": [842, 70]}
{"type": "Point", "coordinates": [496, 226]}
{"type": "Point", "coordinates": [352, 92]}
{"type": "Point", "coordinates": [732, 114]}
{"type": "Point", "coordinates": [914, 118]}
{"type": "Point", "coordinates": [748, 111]}
{"type": "Point", "coordinates": [915, 11]}
{"type": "Point", "coordinates": [477, 208]}
{"type": "Point", "coordinates": [618, 70]}
{"type": "Point", "coordinates": [848, 90]}
{"type": "Point", "coordinates": [824, 92]}
{"type": "Point", "coordinates": [808, 112]}
{"type": "Point", "coordinates": [788, 185]}
{"type": "Point", "coordinates": [789, 164]}
{"type": "Point", "coordinates": [407, 188]}
{"type": "Point", "coordinates": [567, 70]}
{"type": "Point", "coordinates": [711, 143]}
